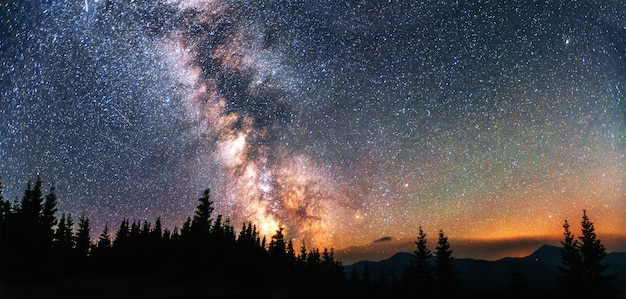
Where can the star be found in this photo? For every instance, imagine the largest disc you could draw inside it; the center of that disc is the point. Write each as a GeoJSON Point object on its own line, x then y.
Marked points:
{"type": "Point", "coordinates": [340, 123]}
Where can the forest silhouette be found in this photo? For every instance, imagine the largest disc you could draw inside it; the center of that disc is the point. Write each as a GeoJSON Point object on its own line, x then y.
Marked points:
{"type": "Point", "coordinates": [46, 256]}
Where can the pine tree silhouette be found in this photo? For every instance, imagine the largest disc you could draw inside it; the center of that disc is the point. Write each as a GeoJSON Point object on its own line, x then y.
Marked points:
{"type": "Point", "coordinates": [5, 212]}
{"type": "Point", "coordinates": [102, 255]}
{"type": "Point", "coordinates": [104, 240]}
{"type": "Point", "coordinates": [64, 236]}
{"type": "Point", "coordinates": [201, 223]}
{"type": "Point", "coordinates": [32, 237]}
{"type": "Point", "coordinates": [277, 247]}
{"type": "Point", "coordinates": [9, 239]}
{"type": "Point", "coordinates": [419, 274]}
{"type": "Point", "coordinates": [290, 252]}
{"type": "Point", "coordinates": [157, 232]}
{"type": "Point", "coordinates": [5, 215]}
{"type": "Point", "coordinates": [147, 252]}
{"type": "Point", "coordinates": [582, 270]}
{"type": "Point", "coordinates": [593, 252]}
{"type": "Point", "coordinates": [48, 219]}
{"type": "Point", "coordinates": [186, 230]}
{"type": "Point", "coordinates": [122, 236]}
{"type": "Point", "coordinates": [146, 228]}
{"type": "Point", "coordinates": [313, 257]}
{"type": "Point", "coordinates": [32, 203]}
{"type": "Point", "coordinates": [135, 232]}
{"type": "Point", "coordinates": [30, 223]}
{"type": "Point", "coordinates": [83, 239]}
{"type": "Point", "coordinates": [277, 250]}
{"type": "Point", "coordinates": [301, 259]}
{"type": "Point", "coordinates": [64, 242]}
{"type": "Point", "coordinates": [571, 267]}
{"type": "Point", "coordinates": [445, 271]}
{"type": "Point", "coordinates": [331, 273]}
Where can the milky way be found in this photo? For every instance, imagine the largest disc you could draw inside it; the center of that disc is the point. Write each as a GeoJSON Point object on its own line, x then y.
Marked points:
{"type": "Point", "coordinates": [343, 121]}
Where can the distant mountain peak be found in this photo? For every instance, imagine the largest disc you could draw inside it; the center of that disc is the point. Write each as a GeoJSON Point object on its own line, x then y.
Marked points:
{"type": "Point", "coordinates": [546, 252]}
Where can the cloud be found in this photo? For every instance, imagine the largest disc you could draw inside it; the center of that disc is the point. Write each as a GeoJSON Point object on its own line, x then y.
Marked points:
{"type": "Point", "coordinates": [383, 239]}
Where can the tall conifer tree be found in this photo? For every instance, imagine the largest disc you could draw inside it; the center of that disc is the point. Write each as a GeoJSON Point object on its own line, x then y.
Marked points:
{"type": "Point", "coordinates": [104, 240]}
{"type": "Point", "coordinates": [83, 240]}
{"type": "Point", "coordinates": [201, 223]}
{"type": "Point", "coordinates": [593, 252]}
{"type": "Point", "coordinates": [277, 247]}
{"type": "Point", "coordinates": [48, 218]}
{"type": "Point", "coordinates": [445, 269]}
{"type": "Point", "coordinates": [571, 263]}
{"type": "Point", "coordinates": [419, 274]}
{"type": "Point", "coordinates": [582, 270]}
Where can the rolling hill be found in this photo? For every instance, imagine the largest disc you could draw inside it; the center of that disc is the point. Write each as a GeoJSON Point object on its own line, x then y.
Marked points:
{"type": "Point", "coordinates": [539, 269]}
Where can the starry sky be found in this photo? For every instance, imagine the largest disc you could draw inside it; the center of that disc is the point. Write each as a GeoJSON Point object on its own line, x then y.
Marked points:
{"type": "Point", "coordinates": [349, 123]}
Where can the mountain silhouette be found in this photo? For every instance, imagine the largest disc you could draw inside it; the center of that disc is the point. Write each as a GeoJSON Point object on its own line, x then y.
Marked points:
{"type": "Point", "coordinates": [539, 268]}
{"type": "Point", "coordinates": [391, 267]}
{"type": "Point", "coordinates": [547, 253]}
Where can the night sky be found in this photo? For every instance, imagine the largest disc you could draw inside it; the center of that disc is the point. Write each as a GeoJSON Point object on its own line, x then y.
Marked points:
{"type": "Point", "coordinates": [344, 121]}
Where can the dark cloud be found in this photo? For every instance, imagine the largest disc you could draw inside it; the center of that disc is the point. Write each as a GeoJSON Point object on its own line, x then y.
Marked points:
{"type": "Point", "coordinates": [383, 239]}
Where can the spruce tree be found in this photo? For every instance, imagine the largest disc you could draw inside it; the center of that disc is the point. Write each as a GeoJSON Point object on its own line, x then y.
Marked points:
{"type": "Point", "coordinates": [419, 274]}
{"type": "Point", "coordinates": [445, 269]}
{"type": "Point", "coordinates": [201, 224]}
{"type": "Point", "coordinates": [332, 273]}
{"type": "Point", "coordinates": [186, 230]}
{"type": "Point", "coordinates": [135, 231]}
{"type": "Point", "coordinates": [145, 229]}
{"type": "Point", "coordinates": [48, 219]}
{"type": "Point", "coordinates": [243, 233]}
{"type": "Point", "coordinates": [64, 241]}
{"type": "Point", "coordinates": [83, 240]}
{"type": "Point", "coordinates": [122, 236]}
{"type": "Point", "coordinates": [229, 232]}
{"type": "Point", "coordinates": [291, 253]}
{"type": "Point", "coordinates": [6, 242]}
{"type": "Point", "coordinates": [157, 232]}
{"type": "Point", "coordinates": [301, 258]}
{"type": "Point", "coordinates": [29, 216]}
{"type": "Point", "coordinates": [64, 236]}
{"type": "Point", "coordinates": [101, 253]}
{"type": "Point", "coordinates": [277, 247]}
{"type": "Point", "coordinates": [328, 256]}
{"type": "Point", "coordinates": [6, 215]}
{"type": "Point", "coordinates": [247, 237]}
{"type": "Point", "coordinates": [58, 236]}
{"type": "Point", "coordinates": [313, 257]}
{"type": "Point", "coordinates": [104, 240]}
{"type": "Point", "coordinates": [582, 270]}
{"type": "Point", "coordinates": [593, 252]}
{"type": "Point", "coordinates": [571, 263]}
{"type": "Point", "coordinates": [31, 240]}
{"type": "Point", "coordinates": [32, 202]}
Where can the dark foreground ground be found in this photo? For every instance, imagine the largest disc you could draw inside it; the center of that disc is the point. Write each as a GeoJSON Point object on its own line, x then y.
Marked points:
{"type": "Point", "coordinates": [144, 287]}
{"type": "Point", "coordinates": [122, 287]}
